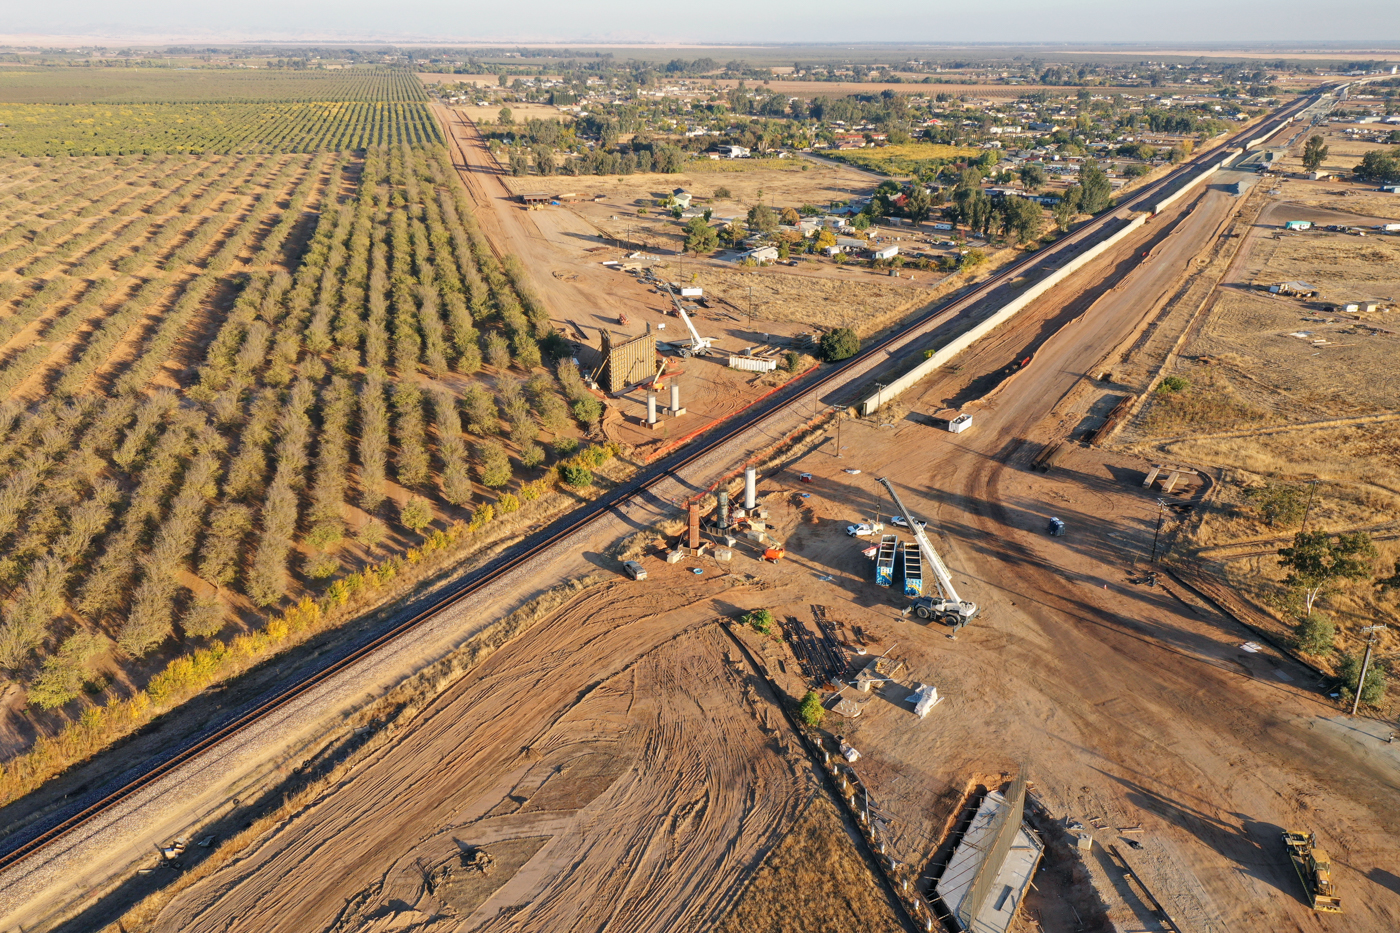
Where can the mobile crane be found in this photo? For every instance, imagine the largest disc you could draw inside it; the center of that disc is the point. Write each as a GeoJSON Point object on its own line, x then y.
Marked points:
{"type": "Point", "coordinates": [697, 345]}
{"type": "Point", "coordinates": [948, 607]}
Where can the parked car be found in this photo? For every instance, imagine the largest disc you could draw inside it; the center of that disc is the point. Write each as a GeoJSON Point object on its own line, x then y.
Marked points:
{"type": "Point", "coordinates": [899, 521]}
{"type": "Point", "coordinates": [856, 531]}
{"type": "Point", "coordinates": [1057, 528]}
{"type": "Point", "coordinates": [804, 477]}
{"type": "Point", "coordinates": [634, 570]}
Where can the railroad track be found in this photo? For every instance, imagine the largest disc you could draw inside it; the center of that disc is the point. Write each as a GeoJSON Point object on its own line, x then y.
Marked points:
{"type": "Point", "coordinates": [21, 845]}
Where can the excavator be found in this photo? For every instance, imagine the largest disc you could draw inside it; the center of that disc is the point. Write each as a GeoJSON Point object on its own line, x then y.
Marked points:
{"type": "Point", "coordinates": [948, 607]}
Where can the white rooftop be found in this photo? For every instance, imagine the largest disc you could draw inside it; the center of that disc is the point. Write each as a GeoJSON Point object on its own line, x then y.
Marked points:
{"type": "Point", "coordinates": [1012, 881]}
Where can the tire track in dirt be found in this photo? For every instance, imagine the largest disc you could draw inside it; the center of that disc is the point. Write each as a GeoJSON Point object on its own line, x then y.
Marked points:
{"type": "Point", "coordinates": [693, 788]}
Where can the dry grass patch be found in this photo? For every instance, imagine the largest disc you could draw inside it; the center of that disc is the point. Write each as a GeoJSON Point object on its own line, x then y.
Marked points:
{"type": "Point", "coordinates": [813, 882]}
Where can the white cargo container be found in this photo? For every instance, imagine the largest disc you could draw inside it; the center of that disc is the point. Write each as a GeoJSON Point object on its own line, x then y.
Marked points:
{"type": "Point", "coordinates": [692, 292]}
{"type": "Point", "coordinates": [753, 364]}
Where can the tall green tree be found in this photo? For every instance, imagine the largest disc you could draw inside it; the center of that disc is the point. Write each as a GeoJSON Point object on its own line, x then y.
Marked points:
{"type": "Point", "coordinates": [1033, 176]}
{"type": "Point", "coordinates": [1379, 165]}
{"type": "Point", "coordinates": [1066, 207]}
{"type": "Point", "coordinates": [761, 219]}
{"type": "Point", "coordinates": [700, 237]}
{"type": "Point", "coordinates": [1314, 152]}
{"type": "Point", "coordinates": [1097, 193]}
{"type": "Point", "coordinates": [1318, 561]}
{"type": "Point", "coordinates": [919, 203]}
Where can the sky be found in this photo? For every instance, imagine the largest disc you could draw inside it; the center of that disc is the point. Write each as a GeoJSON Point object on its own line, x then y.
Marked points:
{"type": "Point", "coordinates": [1368, 23]}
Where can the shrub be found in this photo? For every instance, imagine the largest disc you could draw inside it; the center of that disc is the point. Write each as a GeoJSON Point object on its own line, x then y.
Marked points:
{"type": "Point", "coordinates": [64, 672]}
{"type": "Point", "coordinates": [531, 455]}
{"type": "Point", "coordinates": [761, 620]}
{"type": "Point", "coordinates": [495, 465]}
{"type": "Point", "coordinates": [587, 410]}
{"type": "Point", "coordinates": [1315, 635]}
{"type": "Point", "coordinates": [204, 617]}
{"type": "Point", "coordinates": [791, 360]}
{"type": "Point", "coordinates": [564, 446]}
{"type": "Point", "coordinates": [371, 533]}
{"type": "Point", "coordinates": [415, 514]}
{"type": "Point", "coordinates": [507, 503]}
{"type": "Point", "coordinates": [580, 477]}
{"type": "Point", "coordinates": [1172, 384]}
{"type": "Point", "coordinates": [1373, 691]}
{"type": "Point", "coordinates": [810, 710]}
{"type": "Point", "coordinates": [321, 566]}
{"type": "Point", "coordinates": [839, 344]}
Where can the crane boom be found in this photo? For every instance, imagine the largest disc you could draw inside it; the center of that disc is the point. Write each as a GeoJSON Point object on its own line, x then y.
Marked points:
{"type": "Point", "coordinates": [698, 344]}
{"type": "Point", "coordinates": [951, 607]}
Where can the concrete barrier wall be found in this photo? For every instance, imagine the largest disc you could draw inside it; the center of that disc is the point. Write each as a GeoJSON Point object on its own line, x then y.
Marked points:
{"type": "Point", "coordinates": [1006, 313]}
{"type": "Point", "coordinates": [1206, 174]}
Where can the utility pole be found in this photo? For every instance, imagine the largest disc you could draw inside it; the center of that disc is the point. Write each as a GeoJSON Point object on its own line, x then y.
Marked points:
{"type": "Point", "coordinates": [838, 434]}
{"type": "Point", "coordinates": [1370, 631]}
{"type": "Point", "coordinates": [750, 304]}
{"type": "Point", "coordinates": [1308, 508]}
{"type": "Point", "coordinates": [1161, 513]}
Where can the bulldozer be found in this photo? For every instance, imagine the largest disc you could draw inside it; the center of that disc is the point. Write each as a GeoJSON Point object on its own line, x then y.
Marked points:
{"type": "Point", "coordinates": [1314, 870]}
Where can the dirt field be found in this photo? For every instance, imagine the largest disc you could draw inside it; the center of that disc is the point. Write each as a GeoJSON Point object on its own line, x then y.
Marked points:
{"type": "Point", "coordinates": [1285, 390]}
{"type": "Point", "coordinates": [564, 248]}
{"type": "Point", "coordinates": [636, 744]}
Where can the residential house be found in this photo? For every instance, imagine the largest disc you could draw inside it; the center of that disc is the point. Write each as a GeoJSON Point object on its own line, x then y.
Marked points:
{"type": "Point", "coordinates": [681, 198]}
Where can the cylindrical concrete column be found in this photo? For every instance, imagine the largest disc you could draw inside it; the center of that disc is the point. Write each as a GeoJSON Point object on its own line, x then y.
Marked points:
{"type": "Point", "coordinates": [675, 396]}
{"type": "Point", "coordinates": [750, 487]}
{"type": "Point", "coordinates": [723, 510]}
{"type": "Point", "coordinates": [651, 408]}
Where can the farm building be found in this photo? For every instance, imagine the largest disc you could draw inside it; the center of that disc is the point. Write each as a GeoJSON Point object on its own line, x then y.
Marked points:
{"type": "Point", "coordinates": [681, 198]}
{"type": "Point", "coordinates": [535, 198]}
{"type": "Point", "coordinates": [887, 252]}
{"type": "Point", "coordinates": [627, 363]}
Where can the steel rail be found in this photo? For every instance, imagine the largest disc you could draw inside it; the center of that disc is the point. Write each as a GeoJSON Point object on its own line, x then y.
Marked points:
{"type": "Point", "coordinates": [17, 849]}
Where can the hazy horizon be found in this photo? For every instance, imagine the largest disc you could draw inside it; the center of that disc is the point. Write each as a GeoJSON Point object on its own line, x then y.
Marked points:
{"type": "Point", "coordinates": [727, 22]}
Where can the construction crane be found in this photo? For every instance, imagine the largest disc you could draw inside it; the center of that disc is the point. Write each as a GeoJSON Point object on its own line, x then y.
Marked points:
{"type": "Point", "coordinates": [949, 607]}
{"type": "Point", "coordinates": [697, 345]}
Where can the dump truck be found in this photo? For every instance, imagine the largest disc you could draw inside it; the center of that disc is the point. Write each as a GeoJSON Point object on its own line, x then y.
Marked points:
{"type": "Point", "coordinates": [1314, 870]}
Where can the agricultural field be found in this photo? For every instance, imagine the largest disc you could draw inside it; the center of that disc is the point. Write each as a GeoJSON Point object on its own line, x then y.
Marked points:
{"type": "Point", "coordinates": [241, 394]}
{"type": "Point", "coordinates": [907, 159]}
{"type": "Point", "coordinates": [59, 85]}
{"type": "Point", "coordinates": [79, 111]}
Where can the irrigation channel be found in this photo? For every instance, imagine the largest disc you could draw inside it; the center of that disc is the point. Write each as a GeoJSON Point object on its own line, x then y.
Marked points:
{"type": "Point", "coordinates": [854, 372]}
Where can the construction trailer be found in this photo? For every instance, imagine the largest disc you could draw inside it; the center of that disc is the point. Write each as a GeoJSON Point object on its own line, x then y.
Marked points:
{"type": "Point", "coordinates": [884, 560]}
{"type": "Point", "coordinates": [952, 420]}
{"type": "Point", "coordinates": [913, 565]}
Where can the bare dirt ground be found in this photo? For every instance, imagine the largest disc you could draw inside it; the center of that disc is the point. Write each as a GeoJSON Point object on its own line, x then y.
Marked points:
{"type": "Point", "coordinates": [564, 249]}
{"type": "Point", "coordinates": [635, 743]}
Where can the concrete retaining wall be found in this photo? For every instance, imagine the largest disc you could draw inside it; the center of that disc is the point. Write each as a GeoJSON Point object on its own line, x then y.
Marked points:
{"type": "Point", "coordinates": [1202, 178]}
{"type": "Point", "coordinates": [1006, 313]}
